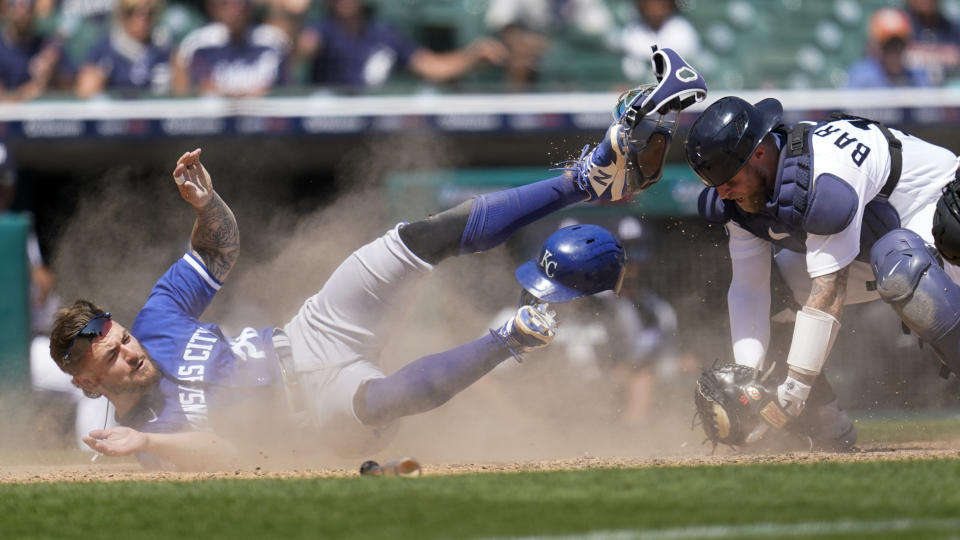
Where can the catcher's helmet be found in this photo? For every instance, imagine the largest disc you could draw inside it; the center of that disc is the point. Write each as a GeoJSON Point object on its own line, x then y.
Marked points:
{"type": "Point", "coordinates": [724, 136]}
{"type": "Point", "coordinates": [574, 261]}
{"type": "Point", "coordinates": [946, 223]}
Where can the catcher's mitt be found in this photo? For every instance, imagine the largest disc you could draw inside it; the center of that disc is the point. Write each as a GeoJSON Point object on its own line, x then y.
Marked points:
{"type": "Point", "coordinates": [732, 403]}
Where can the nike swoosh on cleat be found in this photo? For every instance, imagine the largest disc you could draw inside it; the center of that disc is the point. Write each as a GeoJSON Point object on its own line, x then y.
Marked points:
{"type": "Point", "coordinates": [894, 269]}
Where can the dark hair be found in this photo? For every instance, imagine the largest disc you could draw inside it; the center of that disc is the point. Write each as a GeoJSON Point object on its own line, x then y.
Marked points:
{"type": "Point", "coordinates": [66, 324]}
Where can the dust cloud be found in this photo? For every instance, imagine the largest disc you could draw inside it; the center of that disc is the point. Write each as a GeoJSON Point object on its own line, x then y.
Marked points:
{"type": "Point", "coordinates": [128, 229]}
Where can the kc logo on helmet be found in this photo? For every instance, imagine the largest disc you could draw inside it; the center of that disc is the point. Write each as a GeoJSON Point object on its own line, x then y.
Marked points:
{"type": "Point", "coordinates": [549, 266]}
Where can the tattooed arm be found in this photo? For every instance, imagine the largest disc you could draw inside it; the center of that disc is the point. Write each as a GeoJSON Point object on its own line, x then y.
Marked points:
{"type": "Point", "coordinates": [215, 238]}
{"type": "Point", "coordinates": [827, 294]}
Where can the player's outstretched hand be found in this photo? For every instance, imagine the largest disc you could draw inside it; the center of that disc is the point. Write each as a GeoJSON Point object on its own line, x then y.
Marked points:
{"type": "Point", "coordinates": [116, 441]}
{"type": "Point", "coordinates": [193, 180]}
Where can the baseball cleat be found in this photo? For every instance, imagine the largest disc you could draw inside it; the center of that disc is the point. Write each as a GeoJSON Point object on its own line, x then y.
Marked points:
{"type": "Point", "coordinates": [846, 443]}
{"type": "Point", "coordinates": [779, 441]}
{"type": "Point", "coordinates": [532, 327]}
{"type": "Point", "coordinates": [830, 428]}
{"type": "Point", "coordinates": [604, 172]}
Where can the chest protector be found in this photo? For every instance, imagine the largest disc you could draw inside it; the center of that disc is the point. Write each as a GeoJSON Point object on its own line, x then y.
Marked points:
{"type": "Point", "coordinates": [802, 205]}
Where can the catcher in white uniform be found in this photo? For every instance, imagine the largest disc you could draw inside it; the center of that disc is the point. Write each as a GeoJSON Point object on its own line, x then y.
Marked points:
{"type": "Point", "coordinates": [847, 209]}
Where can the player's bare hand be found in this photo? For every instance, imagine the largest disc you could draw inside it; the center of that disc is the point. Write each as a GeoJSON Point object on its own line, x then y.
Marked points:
{"type": "Point", "coordinates": [117, 441]}
{"type": "Point", "coordinates": [193, 180]}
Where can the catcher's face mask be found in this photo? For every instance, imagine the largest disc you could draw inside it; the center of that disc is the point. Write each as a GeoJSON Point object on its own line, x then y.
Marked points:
{"type": "Point", "coordinates": [650, 112]}
{"type": "Point", "coordinates": [649, 132]}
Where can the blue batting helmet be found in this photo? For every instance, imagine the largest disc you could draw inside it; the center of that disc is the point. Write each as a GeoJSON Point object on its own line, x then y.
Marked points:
{"type": "Point", "coordinates": [574, 261]}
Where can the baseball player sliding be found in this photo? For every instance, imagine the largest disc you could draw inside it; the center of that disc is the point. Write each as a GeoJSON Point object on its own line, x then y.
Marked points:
{"type": "Point", "coordinates": [851, 210]}
{"type": "Point", "coordinates": [178, 383]}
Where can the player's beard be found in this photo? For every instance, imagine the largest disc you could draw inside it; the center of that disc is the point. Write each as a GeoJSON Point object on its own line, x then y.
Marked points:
{"type": "Point", "coordinates": [140, 382]}
{"type": "Point", "coordinates": [755, 201]}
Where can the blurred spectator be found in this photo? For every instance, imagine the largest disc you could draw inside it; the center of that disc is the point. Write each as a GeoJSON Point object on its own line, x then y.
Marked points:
{"type": "Point", "coordinates": [657, 22]}
{"type": "Point", "coordinates": [352, 48]}
{"type": "Point", "coordinates": [663, 368]}
{"type": "Point", "coordinates": [231, 56]}
{"type": "Point", "coordinates": [936, 40]}
{"type": "Point", "coordinates": [885, 65]}
{"type": "Point", "coordinates": [41, 279]}
{"type": "Point", "coordinates": [529, 28]}
{"type": "Point", "coordinates": [607, 353]}
{"type": "Point", "coordinates": [290, 17]}
{"type": "Point", "coordinates": [30, 64]}
{"type": "Point", "coordinates": [82, 23]}
{"type": "Point", "coordinates": [287, 15]}
{"type": "Point", "coordinates": [45, 376]}
{"type": "Point", "coordinates": [133, 58]}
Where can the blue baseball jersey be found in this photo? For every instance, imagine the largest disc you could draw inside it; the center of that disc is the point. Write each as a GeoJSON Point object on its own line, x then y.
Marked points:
{"type": "Point", "coordinates": [869, 73]}
{"type": "Point", "coordinates": [257, 61]}
{"type": "Point", "coordinates": [130, 65]}
{"type": "Point", "coordinates": [366, 59]}
{"type": "Point", "coordinates": [15, 61]}
{"type": "Point", "coordinates": [207, 378]}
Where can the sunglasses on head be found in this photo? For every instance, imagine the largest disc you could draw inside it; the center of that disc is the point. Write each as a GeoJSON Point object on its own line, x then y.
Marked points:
{"type": "Point", "coordinates": [93, 329]}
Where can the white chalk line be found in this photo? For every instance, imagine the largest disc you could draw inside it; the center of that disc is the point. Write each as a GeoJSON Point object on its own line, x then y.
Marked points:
{"type": "Point", "coordinates": [760, 530]}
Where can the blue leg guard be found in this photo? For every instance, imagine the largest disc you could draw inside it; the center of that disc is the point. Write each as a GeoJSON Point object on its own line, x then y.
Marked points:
{"type": "Point", "coordinates": [910, 279]}
{"type": "Point", "coordinates": [494, 217]}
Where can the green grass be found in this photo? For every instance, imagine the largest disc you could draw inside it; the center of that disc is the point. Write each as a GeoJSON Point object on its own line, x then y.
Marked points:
{"type": "Point", "coordinates": [891, 499]}
{"type": "Point", "coordinates": [915, 499]}
{"type": "Point", "coordinates": [894, 431]}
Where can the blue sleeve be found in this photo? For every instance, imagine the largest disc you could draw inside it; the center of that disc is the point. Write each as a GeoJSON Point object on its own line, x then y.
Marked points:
{"type": "Point", "coordinates": [97, 52]}
{"type": "Point", "coordinates": [13, 67]}
{"type": "Point", "coordinates": [920, 78]}
{"type": "Point", "coordinates": [400, 43]}
{"type": "Point", "coordinates": [282, 76]}
{"type": "Point", "coordinates": [865, 74]}
{"type": "Point", "coordinates": [201, 66]}
{"type": "Point", "coordinates": [186, 289]}
{"type": "Point", "coordinates": [66, 68]}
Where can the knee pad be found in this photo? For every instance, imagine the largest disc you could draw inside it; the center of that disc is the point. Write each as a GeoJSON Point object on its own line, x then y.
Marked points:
{"type": "Point", "coordinates": [911, 280]}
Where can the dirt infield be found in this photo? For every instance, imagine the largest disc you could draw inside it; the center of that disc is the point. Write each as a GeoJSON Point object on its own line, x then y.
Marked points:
{"type": "Point", "coordinates": [128, 471]}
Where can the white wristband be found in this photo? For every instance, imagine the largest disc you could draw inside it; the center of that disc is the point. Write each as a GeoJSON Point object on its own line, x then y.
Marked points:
{"type": "Point", "coordinates": [813, 336]}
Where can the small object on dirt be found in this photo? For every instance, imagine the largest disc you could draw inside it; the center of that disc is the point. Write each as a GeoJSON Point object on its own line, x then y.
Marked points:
{"type": "Point", "coordinates": [405, 466]}
{"type": "Point", "coordinates": [369, 468]}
